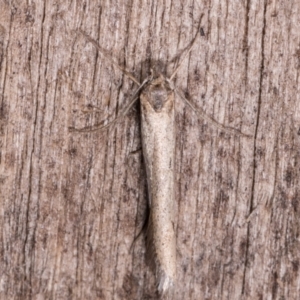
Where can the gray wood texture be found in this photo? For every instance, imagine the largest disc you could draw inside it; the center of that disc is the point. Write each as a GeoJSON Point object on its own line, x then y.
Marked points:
{"type": "Point", "coordinates": [71, 205]}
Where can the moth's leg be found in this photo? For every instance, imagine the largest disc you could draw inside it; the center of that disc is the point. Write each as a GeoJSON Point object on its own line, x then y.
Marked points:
{"type": "Point", "coordinates": [101, 126]}
{"type": "Point", "coordinates": [91, 109]}
{"type": "Point", "coordinates": [187, 52]}
{"type": "Point", "coordinates": [208, 119]}
{"type": "Point", "coordinates": [121, 115]}
{"type": "Point", "coordinates": [109, 58]}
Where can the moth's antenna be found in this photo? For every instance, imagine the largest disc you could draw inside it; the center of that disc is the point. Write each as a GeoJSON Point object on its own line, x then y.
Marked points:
{"type": "Point", "coordinates": [188, 51]}
{"type": "Point", "coordinates": [210, 120]}
{"type": "Point", "coordinates": [108, 57]}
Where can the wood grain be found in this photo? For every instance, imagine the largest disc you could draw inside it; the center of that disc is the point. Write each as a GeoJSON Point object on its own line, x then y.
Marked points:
{"type": "Point", "coordinates": [72, 204]}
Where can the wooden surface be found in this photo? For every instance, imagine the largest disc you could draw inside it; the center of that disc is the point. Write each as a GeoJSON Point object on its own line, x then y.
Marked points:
{"type": "Point", "coordinates": [71, 205]}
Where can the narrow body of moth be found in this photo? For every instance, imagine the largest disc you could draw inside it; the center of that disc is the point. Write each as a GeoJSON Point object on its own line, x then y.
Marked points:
{"type": "Point", "coordinates": [158, 139]}
{"type": "Point", "coordinates": [157, 98]}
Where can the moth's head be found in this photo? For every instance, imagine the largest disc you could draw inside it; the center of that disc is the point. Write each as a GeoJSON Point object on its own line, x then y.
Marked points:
{"type": "Point", "coordinates": [158, 92]}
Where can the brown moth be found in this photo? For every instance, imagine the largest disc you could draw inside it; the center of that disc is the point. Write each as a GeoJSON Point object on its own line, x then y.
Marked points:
{"type": "Point", "coordinates": [158, 139]}
{"type": "Point", "coordinates": [157, 98]}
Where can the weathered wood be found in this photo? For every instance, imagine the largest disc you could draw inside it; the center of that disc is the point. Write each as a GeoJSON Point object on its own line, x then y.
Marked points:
{"type": "Point", "coordinates": [72, 204]}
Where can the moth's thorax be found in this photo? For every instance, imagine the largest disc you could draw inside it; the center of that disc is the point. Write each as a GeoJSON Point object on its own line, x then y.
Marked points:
{"type": "Point", "coordinates": [158, 93]}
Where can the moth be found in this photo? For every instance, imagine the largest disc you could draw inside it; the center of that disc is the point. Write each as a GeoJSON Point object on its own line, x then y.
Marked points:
{"type": "Point", "coordinates": [157, 99]}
